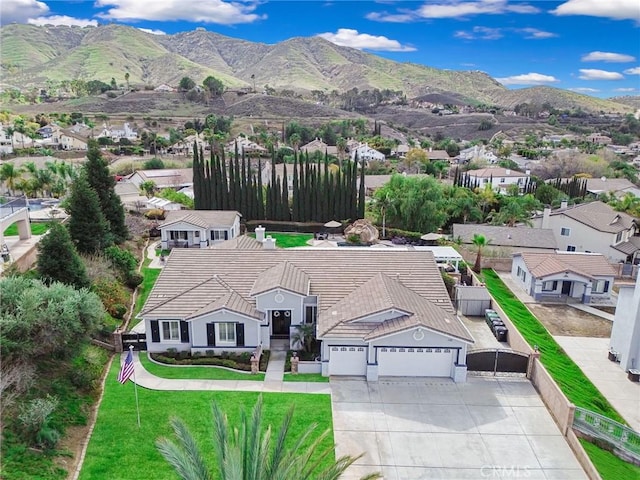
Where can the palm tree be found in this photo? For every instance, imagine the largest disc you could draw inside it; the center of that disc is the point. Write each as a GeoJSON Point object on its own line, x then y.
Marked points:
{"type": "Point", "coordinates": [10, 175]}
{"type": "Point", "coordinates": [247, 451]}
{"type": "Point", "coordinates": [479, 241]}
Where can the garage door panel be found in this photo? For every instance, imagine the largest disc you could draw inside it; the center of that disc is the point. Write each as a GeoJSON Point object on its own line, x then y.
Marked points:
{"type": "Point", "coordinates": [415, 362]}
{"type": "Point", "coordinates": [347, 360]}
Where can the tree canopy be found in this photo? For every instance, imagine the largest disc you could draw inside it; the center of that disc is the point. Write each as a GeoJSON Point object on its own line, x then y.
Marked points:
{"type": "Point", "coordinates": [58, 259]}
{"type": "Point", "coordinates": [87, 226]}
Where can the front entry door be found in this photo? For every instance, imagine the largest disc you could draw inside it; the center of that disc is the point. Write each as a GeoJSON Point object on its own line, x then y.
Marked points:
{"type": "Point", "coordinates": [281, 321]}
{"type": "Point", "coordinates": [566, 287]}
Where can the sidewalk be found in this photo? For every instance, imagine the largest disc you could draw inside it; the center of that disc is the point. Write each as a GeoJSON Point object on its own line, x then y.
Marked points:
{"type": "Point", "coordinates": [147, 380]}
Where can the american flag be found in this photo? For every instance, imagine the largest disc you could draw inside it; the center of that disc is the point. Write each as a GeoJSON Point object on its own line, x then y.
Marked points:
{"type": "Point", "coordinates": [127, 369]}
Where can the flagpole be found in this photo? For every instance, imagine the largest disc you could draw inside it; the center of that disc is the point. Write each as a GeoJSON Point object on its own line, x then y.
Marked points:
{"type": "Point", "coordinates": [135, 387]}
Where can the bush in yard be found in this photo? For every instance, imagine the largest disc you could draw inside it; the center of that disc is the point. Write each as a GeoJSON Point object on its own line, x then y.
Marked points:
{"type": "Point", "coordinates": [113, 295]}
{"type": "Point", "coordinates": [123, 260]}
{"type": "Point", "coordinates": [87, 367]}
{"type": "Point", "coordinates": [34, 421]}
{"type": "Point", "coordinates": [134, 279]}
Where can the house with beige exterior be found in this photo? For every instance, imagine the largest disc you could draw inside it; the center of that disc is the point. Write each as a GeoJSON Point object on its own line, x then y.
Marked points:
{"type": "Point", "coordinates": [499, 178]}
{"type": "Point", "coordinates": [505, 241]}
{"type": "Point", "coordinates": [376, 313]}
{"type": "Point", "coordinates": [164, 178]}
{"type": "Point", "coordinates": [562, 277]}
{"type": "Point", "coordinates": [594, 227]}
{"type": "Point", "coordinates": [198, 228]}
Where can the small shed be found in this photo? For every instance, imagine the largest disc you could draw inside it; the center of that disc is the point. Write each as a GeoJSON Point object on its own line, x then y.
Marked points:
{"type": "Point", "coordinates": [472, 301]}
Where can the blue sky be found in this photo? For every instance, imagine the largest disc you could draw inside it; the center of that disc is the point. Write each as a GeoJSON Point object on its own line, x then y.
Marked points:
{"type": "Point", "coordinates": [589, 46]}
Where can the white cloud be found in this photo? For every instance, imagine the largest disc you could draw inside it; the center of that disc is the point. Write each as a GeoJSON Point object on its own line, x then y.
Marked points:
{"type": "Point", "coordinates": [21, 10]}
{"type": "Point", "coordinates": [348, 37]}
{"type": "Point", "coordinates": [614, 9]}
{"type": "Point", "coordinates": [528, 79]}
{"type": "Point", "coordinates": [152, 31]}
{"type": "Point", "coordinates": [480, 33]}
{"type": "Point", "coordinates": [535, 34]}
{"type": "Point", "coordinates": [584, 90]}
{"type": "Point", "coordinates": [481, 7]}
{"type": "Point", "coordinates": [594, 74]}
{"type": "Point", "coordinates": [628, 89]}
{"type": "Point", "coordinates": [451, 9]}
{"type": "Point", "coordinates": [607, 57]}
{"type": "Point", "coordinates": [204, 11]}
{"type": "Point", "coordinates": [632, 71]}
{"type": "Point", "coordinates": [63, 20]}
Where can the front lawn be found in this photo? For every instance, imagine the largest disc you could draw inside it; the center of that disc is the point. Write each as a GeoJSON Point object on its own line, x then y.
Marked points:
{"type": "Point", "coordinates": [193, 372]}
{"type": "Point", "coordinates": [573, 383]}
{"type": "Point", "coordinates": [149, 276]}
{"type": "Point", "coordinates": [36, 229]}
{"type": "Point", "coordinates": [119, 449]}
{"type": "Point", "coordinates": [608, 465]}
{"type": "Point", "coordinates": [306, 377]}
{"type": "Point", "coordinates": [289, 240]}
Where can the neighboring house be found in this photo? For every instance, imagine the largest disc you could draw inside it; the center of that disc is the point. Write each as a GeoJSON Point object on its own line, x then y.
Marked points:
{"type": "Point", "coordinates": [625, 334]}
{"type": "Point", "coordinates": [401, 150]}
{"type": "Point", "coordinates": [163, 204]}
{"type": "Point", "coordinates": [499, 178]}
{"type": "Point", "coordinates": [318, 145]}
{"type": "Point", "coordinates": [505, 241]}
{"type": "Point", "coordinates": [198, 228]}
{"type": "Point", "coordinates": [70, 141]}
{"type": "Point", "coordinates": [130, 195]}
{"type": "Point", "coordinates": [164, 88]}
{"type": "Point", "coordinates": [244, 145]}
{"type": "Point", "coordinates": [6, 142]}
{"type": "Point", "coordinates": [363, 152]}
{"type": "Point", "coordinates": [564, 276]}
{"type": "Point", "coordinates": [164, 178]}
{"type": "Point", "coordinates": [374, 182]}
{"type": "Point", "coordinates": [279, 171]}
{"type": "Point", "coordinates": [599, 139]}
{"type": "Point", "coordinates": [616, 186]}
{"type": "Point", "coordinates": [185, 146]}
{"type": "Point", "coordinates": [117, 133]}
{"type": "Point", "coordinates": [477, 153]}
{"type": "Point", "coordinates": [376, 313]}
{"type": "Point", "coordinates": [594, 227]}
{"type": "Point", "coordinates": [435, 155]}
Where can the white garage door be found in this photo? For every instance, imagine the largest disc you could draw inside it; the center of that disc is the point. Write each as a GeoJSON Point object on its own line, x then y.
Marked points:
{"type": "Point", "coordinates": [347, 360]}
{"type": "Point", "coordinates": [415, 362]}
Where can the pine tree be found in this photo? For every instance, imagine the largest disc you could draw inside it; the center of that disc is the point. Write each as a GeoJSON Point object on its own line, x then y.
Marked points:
{"type": "Point", "coordinates": [361, 192]}
{"type": "Point", "coordinates": [198, 180]}
{"type": "Point", "coordinates": [58, 259]}
{"type": "Point", "coordinates": [87, 226]}
{"type": "Point", "coordinates": [103, 183]}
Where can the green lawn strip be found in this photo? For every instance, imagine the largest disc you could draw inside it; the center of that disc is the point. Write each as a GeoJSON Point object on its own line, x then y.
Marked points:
{"type": "Point", "coordinates": [288, 240]}
{"type": "Point", "coordinates": [195, 372]}
{"type": "Point", "coordinates": [119, 449]}
{"type": "Point", "coordinates": [149, 275]}
{"type": "Point", "coordinates": [36, 229]}
{"type": "Point", "coordinates": [306, 377]}
{"type": "Point", "coordinates": [571, 380]}
{"type": "Point", "coordinates": [608, 465]}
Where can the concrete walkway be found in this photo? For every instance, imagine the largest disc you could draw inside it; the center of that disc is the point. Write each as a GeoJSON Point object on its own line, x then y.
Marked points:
{"type": "Point", "coordinates": [147, 380]}
{"type": "Point", "coordinates": [593, 311]}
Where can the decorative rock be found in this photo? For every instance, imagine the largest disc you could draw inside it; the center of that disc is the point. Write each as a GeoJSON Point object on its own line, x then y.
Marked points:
{"type": "Point", "coordinates": [367, 232]}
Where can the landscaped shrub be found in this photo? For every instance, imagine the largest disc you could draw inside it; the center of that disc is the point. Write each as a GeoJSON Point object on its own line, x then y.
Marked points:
{"type": "Point", "coordinates": [87, 367]}
{"type": "Point", "coordinates": [123, 260]}
{"type": "Point", "coordinates": [34, 421]}
{"type": "Point", "coordinates": [113, 295]}
{"type": "Point", "coordinates": [236, 361]}
{"type": "Point", "coordinates": [134, 279]}
{"type": "Point", "coordinates": [155, 214]}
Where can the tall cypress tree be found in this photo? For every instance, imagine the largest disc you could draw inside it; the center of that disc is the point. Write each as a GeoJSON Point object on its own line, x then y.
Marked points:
{"type": "Point", "coordinates": [361, 191]}
{"type": "Point", "coordinates": [87, 226]}
{"type": "Point", "coordinates": [296, 190]}
{"type": "Point", "coordinates": [103, 183]}
{"type": "Point", "coordinates": [198, 180]}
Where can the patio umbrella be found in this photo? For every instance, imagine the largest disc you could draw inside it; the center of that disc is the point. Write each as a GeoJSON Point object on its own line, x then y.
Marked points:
{"type": "Point", "coordinates": [431, 237]}
{"type": "Point", "coordinates": [333, 224]}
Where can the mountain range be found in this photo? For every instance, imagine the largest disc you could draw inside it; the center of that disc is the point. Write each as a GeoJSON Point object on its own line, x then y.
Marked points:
{"type": "Point", "coordinates": [35, 55]}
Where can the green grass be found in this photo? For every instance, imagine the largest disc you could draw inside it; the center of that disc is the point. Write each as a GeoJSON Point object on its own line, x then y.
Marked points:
{"type": "Point", "coordinates": [608, 465]}
{"type": "Point", "coordinates": [36, 229]}
{"type": "Point", "coordinates": [119, 449]}
{"type": "Point", "coordinates": [573, 383]}
{"type": "Point", "coordinates": [195, 372]}
{"type": "Point", "coordinates": [149, 275]}
{"type": "Point", "coordinates": [289, 240]}
{"type": "Point", "coordinates": [306, 377]}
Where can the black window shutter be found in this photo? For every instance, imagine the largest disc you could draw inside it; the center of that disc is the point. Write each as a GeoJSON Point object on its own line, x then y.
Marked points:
{"type": "Point", "coordinates": [211, 334]}
{"type": "Point", "coordinates": [155, 331]}
{"type": "Point", "coordinates": [239, 334]}
{"type": "Point", "coordinates": [606, 286]}
{"type": "Point", "coordinates": [226, 234]}
{"type": "Point", "coordinates": [184, 332]}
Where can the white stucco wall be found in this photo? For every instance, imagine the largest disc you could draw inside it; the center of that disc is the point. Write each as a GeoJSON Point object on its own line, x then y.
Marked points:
{"type": "Point", "coordinates": [266, 302]}
{"type": "Point", "coordinates": [198, 329]}
{"type": "Point", "coordinates": [625, 334]}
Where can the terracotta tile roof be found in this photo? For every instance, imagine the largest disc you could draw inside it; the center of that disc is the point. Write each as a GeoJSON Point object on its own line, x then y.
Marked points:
{"type": "Point", "coordinates": [586, 264]}
{"type": "Point", "coordinates": [507, 236]}
{"type": "Point", "coordinates": [285, 276]}
{"type": "Point", "coordinates": [598, 215]}
{"type": "Point", "coordinates": [628, 248]}
{"type": "Point", "coordinates": [200, 218]}
{"type": "Point", "coordinates": [410, 281]}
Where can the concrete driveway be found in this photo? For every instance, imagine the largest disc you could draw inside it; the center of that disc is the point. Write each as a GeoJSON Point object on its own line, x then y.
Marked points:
{"type": "Point", "coordinates": [436, 429]}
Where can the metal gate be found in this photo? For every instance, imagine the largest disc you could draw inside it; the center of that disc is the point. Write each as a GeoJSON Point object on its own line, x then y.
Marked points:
{"type": "Point", "coordinates": [497, 360]}
{"type": "Point", "coordinates": [138, 340]}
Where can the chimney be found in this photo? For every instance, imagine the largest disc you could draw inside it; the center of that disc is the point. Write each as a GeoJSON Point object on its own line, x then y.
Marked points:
{"type": "Point", "coordinates": [527, 172]}
{"type": "Point", "coordinates": [507, 171]}
{"type": "Point", "coordinates": [564, 204]}
{"type": "Point", "coordinates": [269, 243]}
{"type": "Point", "coordinates": [546, 214]}
{"type": "Point", "coordinates": [260, 233]}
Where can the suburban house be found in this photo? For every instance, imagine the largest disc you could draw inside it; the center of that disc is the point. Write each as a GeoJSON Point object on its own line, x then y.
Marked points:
{"type": "Point", "coordinates": [625, 334]}
{"type": "Point", "coordinates": [564, 276]}
{"type": "Point", "coordinates": [198, 228]}
{"type": "Point", "coordinates": [363, 152]}
{"type": "Point", "coordinates": [245, 146]}
{"type": "Point", "coordinates": [599, 139]}
{"type": "Point", "coordinates": [594, 227]}
{"type": "Point", "coordinates": [164, 88]}
{"type": "Point", "coordinates": [116, 134]}
{"type": "Point", "coordinates": [477, 153]}
{"type": "Point", "coordinates": [499, 178]}
{"type": "Point", "coordinates": [6, 141]}
{"type": "Point", "coordinates": [376, 312]}
{"type": "Point", "coordinates": [165, 178]}
{"type": "Point", "coordinates": [505, 241]}
{"type": "Point", "coordinates": [317, 145]}
{"type": "Point", "coordinates": [66, 140]}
